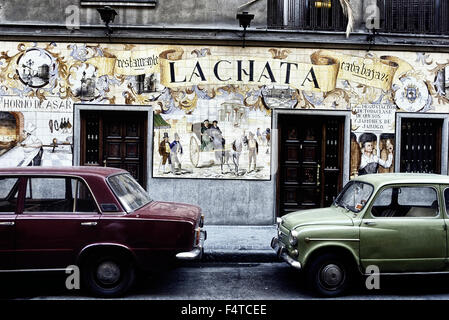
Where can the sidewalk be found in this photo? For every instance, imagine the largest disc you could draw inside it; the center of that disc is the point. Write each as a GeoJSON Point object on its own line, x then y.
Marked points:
{"type": "Point", "coordinates": [239, 244]}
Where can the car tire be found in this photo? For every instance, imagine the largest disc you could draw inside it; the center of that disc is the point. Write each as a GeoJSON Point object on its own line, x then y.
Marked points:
{"type": "Point", "coordinates": [329, 275]}
{"type": "Point", "coordinates": [108, 275]}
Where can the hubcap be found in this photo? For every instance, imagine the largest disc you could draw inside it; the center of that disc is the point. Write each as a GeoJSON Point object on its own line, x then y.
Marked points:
{"type": "Point", "coordinates": [108, 272]}
{"type": "Point", "coordinates": [331, 276]}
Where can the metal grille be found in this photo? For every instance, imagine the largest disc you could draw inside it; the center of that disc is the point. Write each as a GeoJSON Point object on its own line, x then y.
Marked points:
{"type": "Point", "coordinates": [92, 139]}
{"type": "Point", "coordinates": [414, 16]}
{"type": "Point", "coordinates": [305, 15]}
{"type": "Point", "coordinates": [420, 145]}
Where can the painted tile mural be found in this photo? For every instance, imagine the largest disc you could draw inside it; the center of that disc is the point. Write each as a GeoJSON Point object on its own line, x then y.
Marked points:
{"type": "Point", "coordinates": [213, 105]}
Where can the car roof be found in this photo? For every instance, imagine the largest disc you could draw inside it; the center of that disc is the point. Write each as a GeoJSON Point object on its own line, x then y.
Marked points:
{"type": "Point", "coordinates": [380, 179]}
{"type": "Point", "coordinates": [76, 170]}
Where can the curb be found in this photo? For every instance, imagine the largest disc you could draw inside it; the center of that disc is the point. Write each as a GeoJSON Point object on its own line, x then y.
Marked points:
{"type": "Point", "coordinates": [240, 256]}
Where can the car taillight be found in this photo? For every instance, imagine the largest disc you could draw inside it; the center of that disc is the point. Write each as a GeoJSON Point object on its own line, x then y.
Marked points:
{"type": "Point", "coordinates": [201, 221]}
{"type": "Point", "coordinates": [197, 236]}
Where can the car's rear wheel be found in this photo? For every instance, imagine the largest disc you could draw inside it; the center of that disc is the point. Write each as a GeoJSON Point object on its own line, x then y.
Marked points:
{"type": "Point", "coordinates": [109, 275]}
{"type": "Point", "coordinates": [329, 275]}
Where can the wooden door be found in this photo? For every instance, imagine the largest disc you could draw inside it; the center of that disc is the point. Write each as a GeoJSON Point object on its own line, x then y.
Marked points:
{"type": "Point", "coordinates": [115, 139]}
{"type": "Point", "coordinates": [310, 161]}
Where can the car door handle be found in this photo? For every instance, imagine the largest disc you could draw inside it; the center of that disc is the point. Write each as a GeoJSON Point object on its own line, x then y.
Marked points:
{"type": "Point", "coordinates": [90, 224]}
{"type": "Point", "coordinates": [370, 223]}
{"type": "Point", "coordinates": [7, 223]}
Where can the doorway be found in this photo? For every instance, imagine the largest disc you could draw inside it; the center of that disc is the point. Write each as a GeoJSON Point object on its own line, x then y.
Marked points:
{"type": "Point", "coordinates": [310, 161]}
{"type": "Point", "coordinates": [115, 139]}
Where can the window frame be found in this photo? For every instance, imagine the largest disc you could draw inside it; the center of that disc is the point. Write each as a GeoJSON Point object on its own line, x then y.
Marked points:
{"type": "Point", "coordinates": [443, 190]}
{"type": "Point", "coordinates": [304, 16]}
{"type": "Point", "coordinates": [369, 214]}
{"type": "Point", "coordinates": [27, 178]}
{"type": "Point", "coordinates": [12, 194]}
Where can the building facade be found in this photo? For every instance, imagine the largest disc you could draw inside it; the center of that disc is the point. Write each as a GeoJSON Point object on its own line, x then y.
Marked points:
{"type": "Point", "coordinates": [247, 130]}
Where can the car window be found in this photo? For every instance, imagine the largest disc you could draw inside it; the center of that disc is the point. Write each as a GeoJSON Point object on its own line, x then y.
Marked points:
{"type": "Point", "coordinates": [406, 202]}
{"type": "Point", "coordinates": [355, 196]}
{"type": "Point", "coordinates": [130, 194]}
{"type": "Point", "coordinates": [84, 199]}
{"type": "Point", "coordinates": [7, 199]}
{"type": "Point", "coordinates": [61, 194]}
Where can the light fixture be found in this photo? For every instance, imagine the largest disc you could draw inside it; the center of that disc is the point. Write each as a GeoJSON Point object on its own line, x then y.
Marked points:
{"type": "Point", "coordinates": [244, 20]}
{"type": "Point", "coordinates": [107, 14]}
{"type": "Point", "coordinates": [323, 4]}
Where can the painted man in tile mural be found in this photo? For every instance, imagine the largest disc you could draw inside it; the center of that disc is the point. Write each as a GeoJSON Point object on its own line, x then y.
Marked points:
{"type": "Point", "coordinates": [369, 162]}
{"type": "Point", "coordinates": [176, 152]}
{"type": "Point", "coordinates": [253, 150]}
{"type": "Point", "coordinates": [205, 136]}
{"type": "Point", "coordinates": [32, 145]}
{"type": "Point", "coordinates": [164, 151]}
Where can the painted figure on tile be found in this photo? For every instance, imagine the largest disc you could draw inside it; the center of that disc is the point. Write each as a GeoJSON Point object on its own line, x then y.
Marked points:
{"type": "Point", "coordinates": [267, 137]}
{"type": "Point", "coordinates": [369, 162]}
{"type": "Point", "coordinates": [355, 156]}
{"type": "Point", "coordinates": [386, 148]}
{"type": "Point", "coordinates": [259, 136]}
{"type": "Point", "coordinates": [205, 136]}
{"type": "Point", "coordinates": [215, 126]}
{"type": "Point", "coordinates": [176, 152]}
{"type": "Point", "coordinates": [237, 148]}
{"type": "Point", "coordinates": [164, 151]}
{"type": "Point", "coordinates": [218, 145]}
{"type": "Point", "coordinates": [32, 145]}
{"type": "Point", "coordinates": [253, 150]}
{"type": "Point", "coordinates": [215, 133]}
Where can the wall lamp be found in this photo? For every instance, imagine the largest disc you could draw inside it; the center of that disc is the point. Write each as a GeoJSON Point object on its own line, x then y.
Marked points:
{"type": "Point", "coordinates": [107, 14]}
{"type": "Point", "coordinates": [244, 20]}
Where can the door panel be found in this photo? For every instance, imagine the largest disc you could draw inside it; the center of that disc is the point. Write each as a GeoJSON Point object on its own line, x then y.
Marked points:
{"type": "Point", "coordinates": [7, 230]}
{"type": "Point", "coordinates": [59, 219]}
{"type": "Point", "coordinates": [124, 143]}
{"type": "Point", "coordinates": [404, 231]}
{"type": "Point", "coordinates": [9, 206]}
{"type": "Point", "coordinates": [52, 240]}
{"type": "Point", "coordinates": [115, 139]}
{"type": "Point", "coordinates": [403, 244]}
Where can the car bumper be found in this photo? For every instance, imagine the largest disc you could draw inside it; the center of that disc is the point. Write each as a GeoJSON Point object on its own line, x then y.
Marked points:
{"type": "Point", "coordinates": [281, 252]}
{"type": "Point", "coordinates": [197, 251]}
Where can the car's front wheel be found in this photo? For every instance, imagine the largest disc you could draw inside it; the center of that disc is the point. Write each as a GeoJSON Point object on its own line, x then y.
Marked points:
{"type": "Point", "coordinates": [108, 275]}
{"type": "Point", "coordinates": [328, 275]}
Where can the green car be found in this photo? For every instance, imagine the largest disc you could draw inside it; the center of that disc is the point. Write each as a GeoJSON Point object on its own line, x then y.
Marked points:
{"type": "Point", "coordinates": [395, 223]}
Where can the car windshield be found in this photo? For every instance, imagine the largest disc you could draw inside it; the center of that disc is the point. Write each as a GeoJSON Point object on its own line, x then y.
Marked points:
{"type": "Point", "coordinates": [129, 192]}
{"type": "Point", "coordinates": [354, 196]}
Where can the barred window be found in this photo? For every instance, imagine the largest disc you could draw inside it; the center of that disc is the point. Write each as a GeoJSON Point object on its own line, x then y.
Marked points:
{"type": "Point", "coordinates": [306, 15]}
{"type": "Point", "coordinates": [414, 16]}
{"type": "Point", "coordinates": [120, 3]}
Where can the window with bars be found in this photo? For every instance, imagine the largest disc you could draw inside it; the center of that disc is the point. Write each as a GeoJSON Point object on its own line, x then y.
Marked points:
{"type": "Point", "coordinates": [396, 16]}
{"type": "Point", "coordinates": [119, 3]}
{"type": "Point", "coordinates": [414, 16]}
{"type": "Point", "coordinates": [306, 15]}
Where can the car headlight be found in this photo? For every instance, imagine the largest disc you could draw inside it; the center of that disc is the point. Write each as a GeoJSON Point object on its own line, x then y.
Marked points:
{"type": "Point", "coordinates": [293, 238]}
{"type": "Point", "coordinates": [294, 253]}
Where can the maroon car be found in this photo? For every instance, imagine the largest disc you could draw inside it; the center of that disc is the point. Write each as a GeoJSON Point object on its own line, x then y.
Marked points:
{"type": "Point", "coordinates": [99, 219]}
